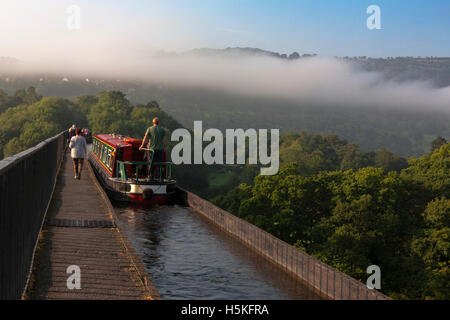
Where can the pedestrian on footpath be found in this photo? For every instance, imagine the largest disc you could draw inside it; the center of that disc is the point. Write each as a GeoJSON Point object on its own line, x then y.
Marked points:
{"type": "Point", "coordinates": [78, 152]}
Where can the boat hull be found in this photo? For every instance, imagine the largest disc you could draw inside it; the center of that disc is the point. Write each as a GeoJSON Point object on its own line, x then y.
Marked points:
{"type": "Point", "coordinates": [132, 192]}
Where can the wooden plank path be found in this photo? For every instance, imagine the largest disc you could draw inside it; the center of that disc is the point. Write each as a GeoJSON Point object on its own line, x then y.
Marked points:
{"type": "Point", "coordinates": [110, 268]}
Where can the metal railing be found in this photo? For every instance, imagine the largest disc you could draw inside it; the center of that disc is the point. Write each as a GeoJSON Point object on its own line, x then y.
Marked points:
{"type": "Point", "coordinates": [27, 181]}
{"type": "Point", "coordinates": [164, 169]}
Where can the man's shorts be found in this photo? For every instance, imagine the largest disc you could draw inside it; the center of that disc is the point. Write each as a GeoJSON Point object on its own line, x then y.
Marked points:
{"type": "Point", "coordinates": [158, 156]}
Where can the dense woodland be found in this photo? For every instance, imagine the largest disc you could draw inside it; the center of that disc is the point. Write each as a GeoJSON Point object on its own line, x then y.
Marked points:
{"type": "Point", "coordinates": [350, 215]}
{"type": "Point", "coordinates": [348, 207]}
{"type": "Point", "coordinates": [27, 118]}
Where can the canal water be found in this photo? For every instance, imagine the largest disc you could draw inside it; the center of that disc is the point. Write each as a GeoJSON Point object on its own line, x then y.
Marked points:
{"type": "Point", "coordinates": [189, 258]}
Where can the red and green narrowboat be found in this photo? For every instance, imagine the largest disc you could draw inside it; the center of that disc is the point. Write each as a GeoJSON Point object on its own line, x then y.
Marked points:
{"type": "Point", "coordinates": [126, 175]}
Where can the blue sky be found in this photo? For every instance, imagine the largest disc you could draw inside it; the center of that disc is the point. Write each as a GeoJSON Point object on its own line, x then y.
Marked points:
{"type": "Point", "coordinates": [328, 28]}
{"type": "Point", "coordinates": [333, 27]}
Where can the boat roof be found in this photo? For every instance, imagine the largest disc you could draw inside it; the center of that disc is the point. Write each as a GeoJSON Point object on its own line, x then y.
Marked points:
{"type": "Point", "coordinates": [116, 139]}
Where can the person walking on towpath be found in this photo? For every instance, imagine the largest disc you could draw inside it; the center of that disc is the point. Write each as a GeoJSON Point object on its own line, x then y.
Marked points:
{"type": "Point", "coordinates": [71, 133]}
{"type": "Point", "coordinates": [78, 152]}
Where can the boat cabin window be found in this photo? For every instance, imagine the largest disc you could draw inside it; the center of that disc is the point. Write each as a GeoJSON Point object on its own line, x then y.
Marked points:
{"type": "Point", "coordinates": [95, 147]}
{"type": "Point", "coordinates": [104, 154]}
{"type": "Point", "coordinates": [108, 159]}
{"type": "Point", "coordinates": [98, 149]}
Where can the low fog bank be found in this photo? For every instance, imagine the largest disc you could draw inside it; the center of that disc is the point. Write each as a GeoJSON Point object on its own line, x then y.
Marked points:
{"type": "Point", "coordinates": [312, 80]}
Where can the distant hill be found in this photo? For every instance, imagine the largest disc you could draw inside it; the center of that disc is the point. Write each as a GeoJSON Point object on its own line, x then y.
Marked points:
{"type": "Point", "coordinates": [436, 70]}
{"type": "Point", "coordinates": [240, 52]}
{"type": "Point", "coordinates": [433, 69]}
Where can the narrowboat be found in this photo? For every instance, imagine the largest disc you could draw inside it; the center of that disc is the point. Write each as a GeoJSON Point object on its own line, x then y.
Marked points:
{"type": "Point", "coordinates": [126, 175]}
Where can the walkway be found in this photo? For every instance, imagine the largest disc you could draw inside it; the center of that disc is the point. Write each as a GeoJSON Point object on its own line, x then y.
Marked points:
{"type": "Point", "coordinates": [81, 229]}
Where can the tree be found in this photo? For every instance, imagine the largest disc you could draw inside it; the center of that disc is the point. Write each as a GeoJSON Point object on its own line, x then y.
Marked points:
{"type": "Point", "coordinates": [294, 56]}
{"type": "Point", "coordinates": [437, 143]}
{"type": "Point", "coordinates": [350, 157]}
{"type": "Point", "coordinates": [153, 104]}
{"type": "Point", "coordinates": [110, 113]}
{"type": "Point", "coordinates": [24, 126]}
{"type": "Point", "coordinates": [86, 102]}
{"type": "Point", "coordinates": [433, 247]}
{"type": "Point", "coordinates": [21, 96]}
{"type": "Point", "coordinates": [432, 171]}
{"type": "Point", "coordinates": [31, 96]}
{"type": "Point", "coordinates": [389, 161]}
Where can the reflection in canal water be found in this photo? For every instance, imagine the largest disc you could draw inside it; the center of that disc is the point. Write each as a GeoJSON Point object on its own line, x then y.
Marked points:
{"type": "Point", "coordinates": [188, 258]}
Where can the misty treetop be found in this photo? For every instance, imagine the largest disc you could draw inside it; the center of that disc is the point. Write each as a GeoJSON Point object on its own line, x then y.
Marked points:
{"type": "Point", "coordinates": [313, 153]}
{"type": "Point", "coordinates": [404, 130]}
{"type": "Point", "coordinates": [113, 112]}
{"type": "Point", "coordinates": [27, 118]}
{"type": "Point", "coordinates": [26, 125]}
{"type": "Point", "coordinates": [21, 96]}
